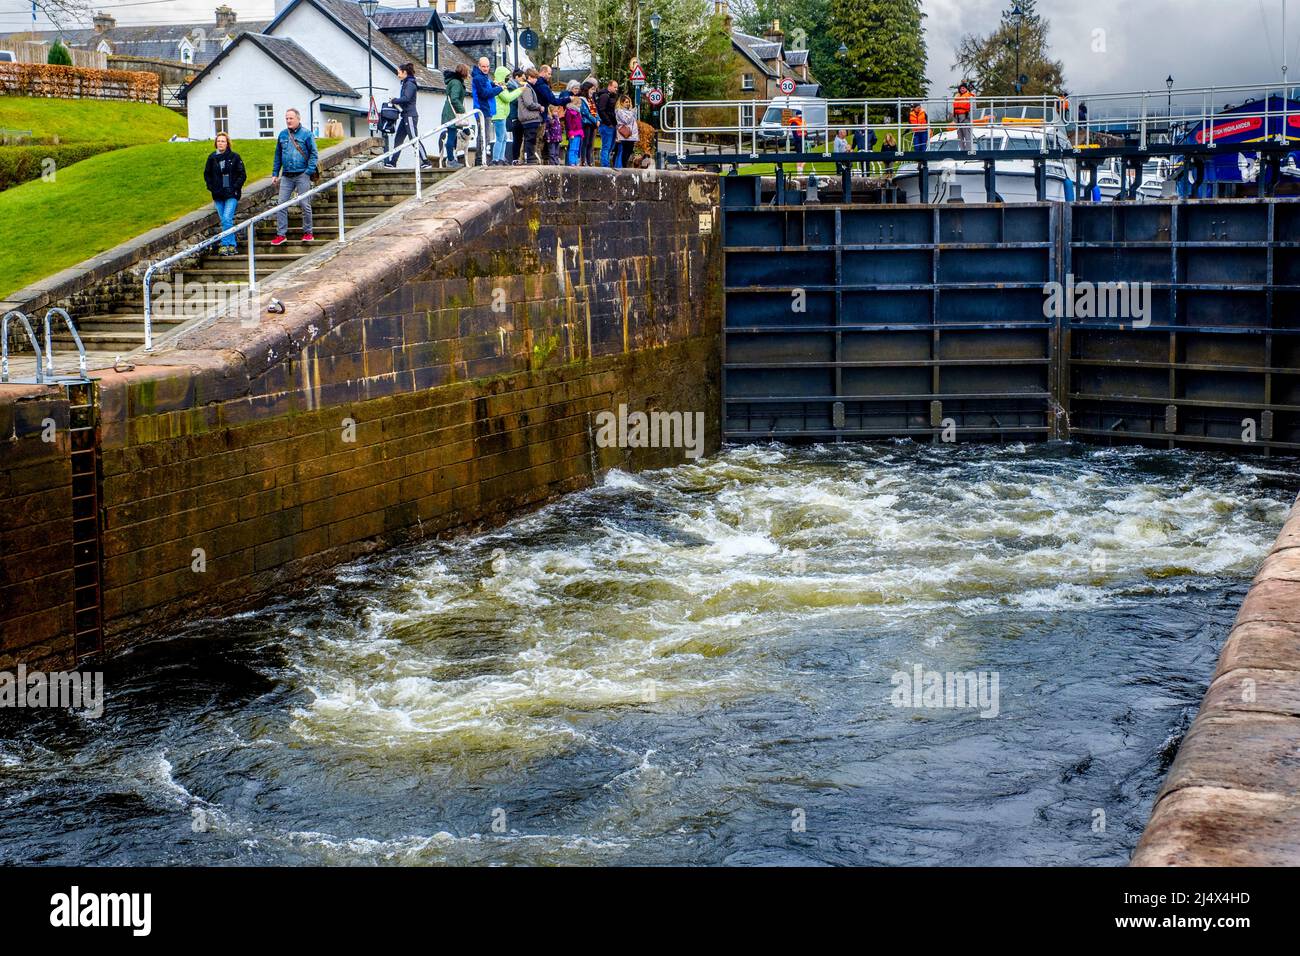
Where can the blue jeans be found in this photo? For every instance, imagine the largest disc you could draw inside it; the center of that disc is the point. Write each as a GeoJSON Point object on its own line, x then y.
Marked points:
{"type": "Point", "coordinates": [606, 144]}
{"type": "Point", "coordinates": [499, 142]}
{"type": "Point", "coordinates": [575, 150]}
{"type": "Point", "coordinates": [226, 213]}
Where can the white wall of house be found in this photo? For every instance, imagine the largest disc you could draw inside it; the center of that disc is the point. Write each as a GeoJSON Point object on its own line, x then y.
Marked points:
{"type": "Point", "coordinates": [244, 80]}
{"type": "Point", "coordinates": [346, 58]}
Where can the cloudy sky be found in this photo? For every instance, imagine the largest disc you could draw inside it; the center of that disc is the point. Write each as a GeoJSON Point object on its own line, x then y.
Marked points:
{"type": "Point", "coordinates": [1105, 44]}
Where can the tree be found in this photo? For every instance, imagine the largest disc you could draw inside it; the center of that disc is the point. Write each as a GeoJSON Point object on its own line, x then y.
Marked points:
{"type": "Point", "coordinates": [990, 61]}
{"type": "Point", "coordinates": [59, 55]}
{"type": "Point", "coordinates": [694, 48]}
{"type": "Point", "coordinates": [886, 47]}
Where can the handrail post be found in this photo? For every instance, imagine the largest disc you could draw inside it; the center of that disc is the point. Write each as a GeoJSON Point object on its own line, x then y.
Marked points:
{"type": "Point", "coordinates": [340, 190]}
{"type": "Point", "coordinates": [1210, 117]}
{"type": "Point", "coordinates": [4, 346]}
{"type": "Point", "coordinates": [252, 260]}
{"type": "Point", "coordinates": [148, 308]}
{"type": "Point", "coordinates": [49, 351]}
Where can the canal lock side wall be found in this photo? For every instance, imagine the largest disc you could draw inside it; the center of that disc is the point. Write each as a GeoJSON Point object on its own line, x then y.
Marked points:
{"type": "Point", "coordinates": [440, 372]}
{"type": "Point", "coordinates": [1232, 795]}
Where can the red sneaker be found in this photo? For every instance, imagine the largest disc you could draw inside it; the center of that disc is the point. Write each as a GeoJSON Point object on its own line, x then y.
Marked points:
{"type": "Point", "coordinates": [308, 237]}
{"type": "Point", "coordinates": [278, 241]}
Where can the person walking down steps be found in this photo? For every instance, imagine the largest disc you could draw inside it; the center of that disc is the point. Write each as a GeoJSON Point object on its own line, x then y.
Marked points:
{"type": "Point", "coordinates": [224, 176]}
{"type": "Point", "coordinates": [408, 126]}
{"type": "Point", "coordinates": [292, 170]}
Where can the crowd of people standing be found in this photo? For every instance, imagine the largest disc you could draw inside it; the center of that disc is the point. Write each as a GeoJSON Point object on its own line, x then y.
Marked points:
{"type": "Point", "coordinates": [529, 123]}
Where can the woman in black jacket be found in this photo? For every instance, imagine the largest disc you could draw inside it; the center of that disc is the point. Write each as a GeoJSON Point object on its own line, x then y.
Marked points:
{"type": "Point", "coordinates": [224, 175]}
{"type": "Point", "coordinates": [408, 125]}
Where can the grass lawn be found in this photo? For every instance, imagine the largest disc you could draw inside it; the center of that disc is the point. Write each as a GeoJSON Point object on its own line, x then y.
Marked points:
{"type": "Point", "coordinates": [90, 121]}
{"type": "Point", "coordinates": [100, 202]}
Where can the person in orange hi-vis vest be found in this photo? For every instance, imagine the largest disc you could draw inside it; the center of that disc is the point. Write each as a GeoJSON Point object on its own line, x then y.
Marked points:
{"type": "Point", "coordinates": [961, 108]}
{"type": "Point", "coordinates": [920, 123]}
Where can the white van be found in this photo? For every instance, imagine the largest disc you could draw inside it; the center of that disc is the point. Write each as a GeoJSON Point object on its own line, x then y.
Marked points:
{"type": "Point", "coordinates": [775, 123]}
{"type": "Point", "coordinates": [7, 56]}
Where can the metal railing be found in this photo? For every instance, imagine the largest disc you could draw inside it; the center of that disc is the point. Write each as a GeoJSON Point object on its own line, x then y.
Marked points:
{"type": "Point", "coordinates": [4, 346]}
{"type": "Point", "coordinates": [44, 358]}
{"type": "Point", "coordinates": [249, 225]}
{"type": "Point", "coordinates": [1177, 113]}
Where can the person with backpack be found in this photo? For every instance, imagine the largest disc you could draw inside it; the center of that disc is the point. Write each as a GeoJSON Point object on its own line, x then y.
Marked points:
{"type": "Point", "coordinates": [408, 126]}
{"type": "Point", "coordinates": [294, 167]}
{"type": "Point", "coordinates": [454, 106]}
{"type": "Point", "coordinates": [518, 81]}
{"type": "Point", "coordinates": [606, 103]}
{"type": "Point", "coordinates": [628, 131]}
{"type": "Point", "coordinates": [225, 177]}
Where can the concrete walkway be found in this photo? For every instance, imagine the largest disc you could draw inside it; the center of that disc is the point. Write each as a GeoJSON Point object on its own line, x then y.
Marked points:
{"type": "Point", "coordinates": [1232, 797]}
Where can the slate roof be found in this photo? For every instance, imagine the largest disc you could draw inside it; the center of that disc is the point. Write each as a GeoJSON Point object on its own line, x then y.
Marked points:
{"type": "Point", "coordinates": [796, 57]}
{"type": "Point", "coordinates": [349, 17]}
{"type": "Point", "coordinates": [420, 18]}
{"type": "Point", "coordinates": [158, 42]}
{"type": "Point", "coordinates": [756, 49]}
{"type": "Point", "coordinates": [313, 73]}
{"type": "Point", "coordinates": [474, 32]}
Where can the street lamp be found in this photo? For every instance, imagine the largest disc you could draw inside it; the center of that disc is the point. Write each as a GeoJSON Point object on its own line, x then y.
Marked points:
{"type": "Point", "coordinates": [1169, 99]}
{"type": "Point", "coordinates": [842, 52]}
{"type": "Point", "coordinates": [368, 7]}
{"type": "Point", "coordinates": [655, 21]}
{"type": "Point", "coordinates": [1018, 15]}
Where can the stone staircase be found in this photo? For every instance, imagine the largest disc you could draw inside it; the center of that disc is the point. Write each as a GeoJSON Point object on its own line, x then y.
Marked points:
{"type": "Point", "coordinates": [117, 329]}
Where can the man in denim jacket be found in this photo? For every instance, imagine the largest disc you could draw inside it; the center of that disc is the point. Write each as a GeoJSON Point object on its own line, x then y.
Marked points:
{"type": "Point", "coordinates": [295, 162]}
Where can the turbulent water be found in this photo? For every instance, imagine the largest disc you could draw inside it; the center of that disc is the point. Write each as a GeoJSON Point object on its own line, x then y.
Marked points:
{"type": "Point", "coordinates": [690, 666]}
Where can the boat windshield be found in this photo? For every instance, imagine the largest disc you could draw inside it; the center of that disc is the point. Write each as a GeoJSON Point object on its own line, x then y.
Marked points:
{"type": "Point", "coordinates": [985, 142]}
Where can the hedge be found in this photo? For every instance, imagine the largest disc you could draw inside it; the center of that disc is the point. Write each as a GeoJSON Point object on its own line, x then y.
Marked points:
{"type": "Point", "coordinates": [18, 164]}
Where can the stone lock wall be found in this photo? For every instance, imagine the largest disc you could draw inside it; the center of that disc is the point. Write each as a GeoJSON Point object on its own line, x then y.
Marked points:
{"type": "Point", "coordinates": [440, 370]}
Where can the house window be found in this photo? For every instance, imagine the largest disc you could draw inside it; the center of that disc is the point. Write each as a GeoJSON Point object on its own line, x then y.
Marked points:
{"type": "Point", "coordinates": [747, 82]}
{"type": "Point", "coordinates": [266, 120]}
{"type": "Point", "coordinates": [220, 120]}
{"type": "Point", "coordinates": [430, 44]}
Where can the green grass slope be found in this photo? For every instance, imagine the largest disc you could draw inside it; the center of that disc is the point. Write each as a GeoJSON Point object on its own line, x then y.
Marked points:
{"type": "Point", "coordinates": [105, 200]}
{"type": "Point", "coordinates": [90, 121]}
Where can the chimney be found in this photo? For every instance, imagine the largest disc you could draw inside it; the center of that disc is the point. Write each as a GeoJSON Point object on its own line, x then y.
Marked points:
{"type": "Point", "coordinates": [774, 35]}
{"type": "Point", "coordinates": [723, 9]}
{"type": "Point", "coordinates": [225, 18]}
{"type": "Point", "coordinates": [103, 21]}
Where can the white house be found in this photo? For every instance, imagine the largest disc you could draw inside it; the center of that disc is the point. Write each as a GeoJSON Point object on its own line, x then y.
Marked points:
{"type": "Point", "coordinates": [312, 56]}
{"type": "Point", "coordinates": [246, 89]}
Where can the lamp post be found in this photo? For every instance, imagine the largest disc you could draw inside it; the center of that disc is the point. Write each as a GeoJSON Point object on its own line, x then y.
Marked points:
{"type": "Point", "coordinates": [655, 21]}
{"type": "Point", "coordinates": [1169, 103]}
{"type": "Point", "coordinates": [1018, 15]}
{"type": "Point", "coordinates": [514, 17]}
{"type": "Point", "coordinates": [368, 7]}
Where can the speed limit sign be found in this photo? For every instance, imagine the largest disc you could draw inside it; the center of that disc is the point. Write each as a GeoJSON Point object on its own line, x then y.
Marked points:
{"type": "Point", "coordinates": [787, 86]}
{"type": "Point", "coordinates": [655, 96]}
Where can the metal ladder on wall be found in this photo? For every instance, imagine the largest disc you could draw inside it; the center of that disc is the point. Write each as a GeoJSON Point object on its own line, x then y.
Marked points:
{"type": "Point", "coordinates": [87, 557]}
{"type": "Point", "coordinates": [83, 454]}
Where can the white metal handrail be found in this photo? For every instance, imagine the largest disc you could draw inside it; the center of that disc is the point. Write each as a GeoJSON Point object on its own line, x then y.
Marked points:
{"type": "Point", "coordinates": [4, 345]}
{"type": "Point", "coordinates": [1143, 110]}
{"type": "Point", "coordinates": [76, 338]}
{"type": "Point", "coordinates": [464, 119]}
